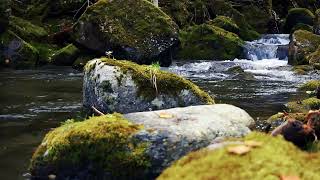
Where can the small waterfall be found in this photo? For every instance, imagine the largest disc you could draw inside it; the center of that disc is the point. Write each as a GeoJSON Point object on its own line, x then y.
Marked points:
{"type": "Point", "coordinates": [270, 46]}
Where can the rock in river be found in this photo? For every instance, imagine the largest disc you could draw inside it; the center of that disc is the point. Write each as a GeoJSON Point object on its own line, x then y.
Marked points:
{"type": "Point", "coordinates": [123, 86]}
{"type": "Point", "coordinates": [132, 29]}
{"type": "Point", "coordinates": [134, 146]}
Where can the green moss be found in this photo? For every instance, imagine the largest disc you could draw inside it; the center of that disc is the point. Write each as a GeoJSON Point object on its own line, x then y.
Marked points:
{"type": "Point", "coordinates": [302, 69]}
{"type": "Point", "coordinates": [301, 26]}
{"type": "Point", "coordinates": [314, 58]}
{"type": "Point", "coordinates": [304, 106]}
{"type": "Point", "coordinates": [136, 24]}
{"type": "Point", "coordinates": [45, 50]}
{"type": "Point", "coordinates": [209, 42]}
{"type": "Point", "coordinates": [65, 56]}
{"type": "Point", "coordinates": [281, 116]}
{"type": "Point", "coordinates": [226, 23]}
{"type": "Point", "coordinates": [22, 56]}
{"type": "Point", "coordinates": [106, 143]}
{"type": "Point", "coordinates": [298, 15]}
{"type": "Point", "coordinates": [276, 157]}
{"type": "Point", "coordinates": [307, 43]}
{"type": "Point", "coordinates": [26, 30]}
{"type": "Point", "coordinates": [167, 83]}
{"type": "Point", "coordinates": [310, 85]}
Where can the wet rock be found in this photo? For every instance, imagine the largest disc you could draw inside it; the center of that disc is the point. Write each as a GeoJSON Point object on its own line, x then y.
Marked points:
{"type": "Point", "coordinates": [121, 86]}
{"type": "Point", "coordinates": [296, 16]}
{"type": "Point", "coordinates": [272, 152]}
{"type": "Point", "coordinates": [5, 12]}
{"type": "Point", "coordinates": [138, 31]}
{"type": "Point", "coordinates": [301, 45]}
{"type": "Point", "coordinates": [304, 106]}
{"type": "Point", "coordinates": [16, 53]}
{"type": "Point", "coordinates": [143, 143]}
{"type": "Point", "coordinates": [209, 42]}
{"type": "Point", "coordinates": [239, 73]}
{"type": "Point", "coordinates": [65, 56]}
{"type": "Point", "coordinates": [316, 25]}
{"type": "Point", "coordinates": [282, 51]}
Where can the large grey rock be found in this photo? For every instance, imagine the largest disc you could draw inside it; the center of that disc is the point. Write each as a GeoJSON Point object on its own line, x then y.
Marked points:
{"type": "Point", "coordinates": [125, 87]}
{"type": "Point", "coordinates": [132, 29]}
{"type": "Point", "coordinates": [175, 132]}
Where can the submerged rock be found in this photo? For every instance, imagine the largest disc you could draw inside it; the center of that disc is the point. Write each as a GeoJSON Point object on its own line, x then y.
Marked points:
{"type": "Point", "coordinates": [301, 45]}
{"type": "Point", "coordinates": [271, 158]}
{"type": "Point", "coordinates": [121, 86]}
{"type": "Point", "coordinates": [240, 74]}
{"type": "Point", "coordinates": [132, 29]}
{"type": "Point", "coordinates": [134, 146]}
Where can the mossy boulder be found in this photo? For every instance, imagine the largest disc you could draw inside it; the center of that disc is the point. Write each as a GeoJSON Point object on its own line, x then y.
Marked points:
{"type": "Point", "coordinates": [5, 11]}
{"type": "Point", "coordinates": [135, 30]}
{"type": "Point", "coordinates": [26, 30]}
{"type": "Point", "coordinates": [304, 106]}
{"type": "Point", "coordinates": [302, 69]}
{"type": "Point", "coordinates": [65, 56]}
{"type": "Point", "coordinates": [273, 159]}
{"type": "Point", "coordinates": [93, 149]}
{"type": "Point", "coordinates": [141, 144]}
{"type": "Point", "coordinates": [301, 26]}
{"type": "Point", "coordinates": [298, 15]}
{"type": "Point", "coordinates": [302, 44]}
{"type": "Point", "coordinates": [310, 85]}
{"type": "Point", "coordinates": [314, 58]}
{"type": "Point", "coordinates": [226, 23]}
{"type": "Point", "coordinates": [206, 41]}
{"type": "Point", "coordinates": [316, 24]}
{"type": "Point", "coordinates": [17, 53]}
{"type": "Point", "coordinates": [122, 86]}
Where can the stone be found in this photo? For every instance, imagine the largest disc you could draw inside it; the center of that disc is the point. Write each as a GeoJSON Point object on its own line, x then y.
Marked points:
{"type": "Point", "coordinates": [136, 145]}
{"type": "Point", "coordinates": [122, 86]}
{"type": "Point", "coordinates": [131, 29]}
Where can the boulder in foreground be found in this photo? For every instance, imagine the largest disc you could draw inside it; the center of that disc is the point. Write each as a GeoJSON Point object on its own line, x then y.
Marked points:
{"type": "Point", "coordinates": [134, 146]}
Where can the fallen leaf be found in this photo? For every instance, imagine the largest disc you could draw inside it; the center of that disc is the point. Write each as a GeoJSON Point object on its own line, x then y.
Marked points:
{"type": "Point", "coordinates": [165, 115]}
{"type": "Point", "coordinates": [285, 177]}
{"type": "Point", "coordinates": [253, 143]}
{"type": "Point", "coordinates": [239, 150]}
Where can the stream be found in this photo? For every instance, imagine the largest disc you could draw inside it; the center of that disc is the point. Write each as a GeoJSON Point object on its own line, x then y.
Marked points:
{"type": "Point", "coordinates": [34, 101]}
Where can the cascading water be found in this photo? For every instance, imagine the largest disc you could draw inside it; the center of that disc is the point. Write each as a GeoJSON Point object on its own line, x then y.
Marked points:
{"type": "Point", "coordinates": [266, 59]}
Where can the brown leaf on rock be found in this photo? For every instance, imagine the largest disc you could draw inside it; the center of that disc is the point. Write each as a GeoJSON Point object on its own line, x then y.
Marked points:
{"type": "Point", "coordinates": [289, 177]}
{"type": "Point", "coordinates": [253, 143]}
{"type": "Point", "coordinates": [239, 150]}
{"type": "Point", "coordinates": [165, 115]}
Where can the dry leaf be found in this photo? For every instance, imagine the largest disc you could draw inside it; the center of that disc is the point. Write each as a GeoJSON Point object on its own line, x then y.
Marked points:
{"type": "Point", "coordinates": [284, 177]}
{"type": "Point", "coordinates": [239, 150]}
{"type": "Point", "coordinates": [165, 115]}
{"type": "Point", "coordinates": [253, 143]}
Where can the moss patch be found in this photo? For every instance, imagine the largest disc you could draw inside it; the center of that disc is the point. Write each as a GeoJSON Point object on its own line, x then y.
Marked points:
{"type": "Point", "coordinates": [275, 158]}
{"type": "Point", "coordinates": [65, 56]}
{"type": "Point", "coordinates": [105, 143]}
{"type": "Point", "coordinates": [310, 85]}
{"type": "Point", "coordinates": [26, 30]}
{"type": "Point", "coordinates": [304, 106]}
{"type": "Point", "coordinates": [209, 42]}
{"type": "Point", "coordinates": [167, 83]}
{"type": "Point", "coordinates": [225, 23]}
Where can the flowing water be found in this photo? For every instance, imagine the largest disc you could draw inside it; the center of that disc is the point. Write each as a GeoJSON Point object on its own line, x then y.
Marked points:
{"type": "Point", "coordinates": [34, 101]}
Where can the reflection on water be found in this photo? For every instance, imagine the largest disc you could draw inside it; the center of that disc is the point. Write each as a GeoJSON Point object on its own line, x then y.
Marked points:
{"type": "Point", "coordinates": [31, 103]}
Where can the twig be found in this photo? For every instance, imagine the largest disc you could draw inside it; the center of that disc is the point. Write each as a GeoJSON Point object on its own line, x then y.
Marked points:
{"type": "Point", "coordinates": [97, 111]}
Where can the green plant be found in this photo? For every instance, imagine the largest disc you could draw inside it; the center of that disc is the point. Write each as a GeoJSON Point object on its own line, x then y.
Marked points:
{"type": "Point", "coordinates": [154, 68]}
